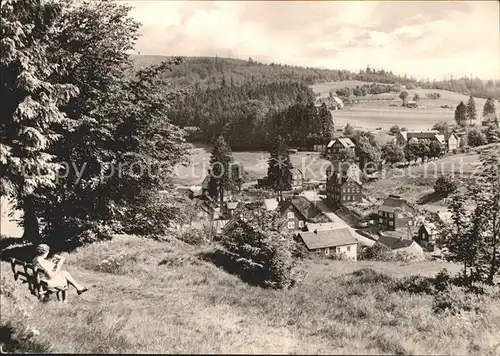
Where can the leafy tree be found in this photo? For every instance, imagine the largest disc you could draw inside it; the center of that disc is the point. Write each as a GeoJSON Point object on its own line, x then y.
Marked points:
{"type": "Point", "coordinates": [32, 103]}
{"type": "Point", "coordinates": [394, 130]}
{"type": "Point", "coordinates": [461, 114]}
{"type": "Point", "coordinates": [442, 127]}
{"type": "Point", "coordinates": [412, 151]}
{"type": "Point", "coordinates": [471, 110]}
{"type": "Point", "coordinates": [260, 257]}
{"type": "Point", "coordinates": [445, 186]}
{"type": "Point", "coordinates": [404, 96]}
{"type": "Point", "coordinates": [392, 152]}
{"type": "Point", "coordinates": [476, 138]}
{"type": "Point", "coordinates": [435, 149]}
{"type": "Point", "coordinates": [221, 162]}
{"type": "Point", "coordinates": [423, 149]}
{"type": "Point", "coordinates": [279, 172]}
{"type": "Point", "coordinates": [489, 107]}
{"type": "Point", "coordinates": [368, 152]}
{"type": "Point", "coordinates": [348, 130]}
{"type": "Point", "coordinates": [493, 134]}
{"type": "Point", "coordinates": [416, 97]}
{"type": "Point", "coordinates": [474, 237]}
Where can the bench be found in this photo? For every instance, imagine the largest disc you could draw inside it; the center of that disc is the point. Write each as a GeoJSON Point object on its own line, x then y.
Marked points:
{"type": "Point", "coordinates": [31, 275]}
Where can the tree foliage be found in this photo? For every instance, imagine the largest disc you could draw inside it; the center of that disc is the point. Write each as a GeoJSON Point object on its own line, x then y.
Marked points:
{"type": "Point", "coordinates": [221, 162]}
{"type": "Point", "coordinates": [393, 152]}
{"type": "Point", "coordinates": [476, 138]}
{"type": "Point", "coordinates": [280, 170]}
{"type": "Point", "coordinates": [445, 186]}
{"type": "Point", "coordinates": [471, 110]}
{"type": "Point", "coordinates": [461, 114]}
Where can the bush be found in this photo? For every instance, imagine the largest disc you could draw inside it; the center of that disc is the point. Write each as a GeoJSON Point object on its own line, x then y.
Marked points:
{"type": "Point", "coordinates": [258, 257]}
{"type": "Point", "coordinates": [193, 236]}
{"type": "Point", "coordinates": [476, 138]}
{"type": "Point", "coordinates": [445, 186]}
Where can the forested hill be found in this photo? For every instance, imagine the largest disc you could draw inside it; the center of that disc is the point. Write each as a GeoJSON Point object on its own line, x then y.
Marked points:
{"type": "Point", "coordinates": [210, 71]}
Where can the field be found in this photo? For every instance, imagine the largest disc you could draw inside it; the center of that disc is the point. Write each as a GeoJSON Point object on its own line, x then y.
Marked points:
{"type": "Point", "coordinates": [375, 111]}
{"type": "Point", "coordinates": [163, 299]}
{"type": "Point", "coordinates": [255, 163]}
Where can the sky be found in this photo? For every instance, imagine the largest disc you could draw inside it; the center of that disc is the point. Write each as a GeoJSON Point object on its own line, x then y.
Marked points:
{"type": "Point", "coordinates": [428, 39]}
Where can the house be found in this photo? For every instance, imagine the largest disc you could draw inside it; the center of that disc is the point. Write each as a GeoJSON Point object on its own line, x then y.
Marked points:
{"type": "Point", "coordinates": [230, 208]}
{"type": "Point", "coordinates": [335, 103]}
{"type": "Point", "coordinates": [297, 179]}
{"type": "Point", "coordinates": [444, 216]}
{"type": "Point", "coordinates": [462, 137]}
{"type": "Point", "coordinates": [411, 104]}
{"type": "Point", "coordinates": [343, 183]}
{"type": "Point", "coordinates": [395, 213]}
{"type": "Point", "coordinates": [331, 242]}
{"type": "Point", "coordinates": [341, 144]}
{"type": "Point", "coordinates": [298, 211]}
{"type": "Point", "coordinates": [427, 235]}
{"type": "Point", "coordinates": [271, 204]}
{"type": "Point", "coordinates": [403, 137]}
{"type": "Point", "coordinates": [452, 142]}
{"type": "Point", "coordinates": [401, 244]}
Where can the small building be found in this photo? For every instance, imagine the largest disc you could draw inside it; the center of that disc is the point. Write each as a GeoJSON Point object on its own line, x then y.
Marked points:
{"type": "Point", "coordinates": [298, 211]}
{"type": "Point", "coordinates": [401, 244]}
{"type": "Point", "coordinates": [427, 235]}
{"type": "Point", "coordinates": [325, 243]}
{"type": "Point", "coordinates": [335, 103]}
{"type": "Point", "coordinates": [452, 142]}
{"type": "Point", "coordinates": [411, 104]}
{"type": "Point", "coordinates": [403, 137]}
{"type": "Point", "coordinates": [395, 213]}
{"type": "Point", "coordinates": [340, 145]}
{"type": "Point", "coordinates": [297, 180]}
{"type": "Point", "coordinates": [343, 183]}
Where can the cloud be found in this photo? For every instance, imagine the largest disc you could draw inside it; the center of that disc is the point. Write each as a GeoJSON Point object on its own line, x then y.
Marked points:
{"type": "Point", "coordinates": [425, 39]}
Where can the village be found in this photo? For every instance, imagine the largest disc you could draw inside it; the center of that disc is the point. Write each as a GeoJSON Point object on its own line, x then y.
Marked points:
{"type": "Point", "coordinates": [320, 212]}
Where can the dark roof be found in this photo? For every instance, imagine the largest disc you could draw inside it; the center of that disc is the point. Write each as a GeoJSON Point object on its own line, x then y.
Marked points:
{"type": "Point", "coordinates": [393, 203]}
{"type": "Point", "coordinates": [307, 209]}
{"type": "Point", "coordinates": [394, 242]}
{"type": "Point", "coordinates": [327, 238]}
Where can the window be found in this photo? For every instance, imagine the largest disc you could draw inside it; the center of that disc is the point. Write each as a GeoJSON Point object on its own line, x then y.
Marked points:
{"type": "Point", "coordinates": [301, 223]}
{"type": "Point", "coordinates": [348, 248]}
{"type": "Point", "coordinates": [290, 215]}
{"type": "Point", "coordinates": [327, 251]}
{"type": "Point", "coordinates": [390, 215]}
{"type": "Point", "coordinates": [318, 252]}
{"type": "Point", "coordinates": [338, 249]}
{"type": "Point", "coordinates": [291, 224]}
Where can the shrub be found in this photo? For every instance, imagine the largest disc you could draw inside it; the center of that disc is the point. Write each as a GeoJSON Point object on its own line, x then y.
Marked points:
{"type": "Point", "coordinates": [476, 138]}
{"type": "Point", "coordinates": [445, 186]}
{"type": "Point", "coordinates": [193, 236]}
{"type": "Point", "coordinates": [112, 264]}
{"type": "Point", "coordinates": [377, 252]}
{"type": "Point", "coordinates": [258, 257]}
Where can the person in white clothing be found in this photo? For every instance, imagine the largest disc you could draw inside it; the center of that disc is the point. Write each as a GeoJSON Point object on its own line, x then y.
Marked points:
{"type": "Point", "coordinates": [52, 273]}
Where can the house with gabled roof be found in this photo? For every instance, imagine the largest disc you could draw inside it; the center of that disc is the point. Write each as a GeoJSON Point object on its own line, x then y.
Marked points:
{"type": "Point", "coordinates": [452, 141]}
{"type": "Point", "coordinates": [403, 137]}
{"type": "Point", "coordinates": [395, 213]}
{"type": "Point", "coordinates": [400, 244]}
{"type": "Point", "coordinates": [298, 211]}
{"type": "Point", "coordinates": [427, 235]}
{"type": "Point", "coordinates": [330, 242]}
{"type": "Point", "coordinates": [340, 144]}
{"type": "Point", "coordinates": [344, 183]}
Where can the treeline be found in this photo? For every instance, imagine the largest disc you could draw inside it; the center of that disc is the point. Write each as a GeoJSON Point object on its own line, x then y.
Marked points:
{"type": "Point", "coordinates": [208, 71]}
{"type": "Point", "coordinates": [252, 115]}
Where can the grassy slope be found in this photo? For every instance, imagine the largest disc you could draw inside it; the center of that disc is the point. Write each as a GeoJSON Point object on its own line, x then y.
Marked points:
{"type": "Point", "coordinates": [371, 113]}
{"type": "Point", "coordinates": [189, 306]}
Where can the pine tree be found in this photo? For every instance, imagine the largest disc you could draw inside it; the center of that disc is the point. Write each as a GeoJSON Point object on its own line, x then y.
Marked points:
{"type": "Point", "coordinates": [221, 162]}
{"type": "Point", "coordinates": [461, 114]}
{"type": "Point", "coordinates": [489, 107]}
{"type": "Point", "coordinates": [471, 110]}
{"type": "Point", "coordinates": [32, 101]}
{"type": "Point", "coordinates": [279, 172]}
{"type": "Point", "coordinates": [326, 121]}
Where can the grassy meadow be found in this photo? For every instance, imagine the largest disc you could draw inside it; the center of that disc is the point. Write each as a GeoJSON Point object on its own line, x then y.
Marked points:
{"type": "Point", "coordinates": [154, 297]}
{"type": "Point", "coordinates": [255, 163]}
{"type": "Point", "coordinates": [385, 110]}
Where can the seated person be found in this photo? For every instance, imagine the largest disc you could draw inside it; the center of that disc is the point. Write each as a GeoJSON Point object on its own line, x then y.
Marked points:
{"type": "Point", "coordinates": [51, 272]}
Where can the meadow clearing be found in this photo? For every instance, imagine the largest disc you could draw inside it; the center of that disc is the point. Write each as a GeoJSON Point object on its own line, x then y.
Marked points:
{"type": "Point", "coordinates": [156, 297]}
{"type": "Point", "coordinates": [385, 110]}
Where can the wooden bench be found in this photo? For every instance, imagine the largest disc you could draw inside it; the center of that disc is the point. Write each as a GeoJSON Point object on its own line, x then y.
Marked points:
{"type": "Point", "coordinates": [31, 275]}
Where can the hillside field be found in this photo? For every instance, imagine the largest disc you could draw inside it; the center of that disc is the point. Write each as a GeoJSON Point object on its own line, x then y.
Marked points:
{"type": "Point", "coordinates": [163, 298]}
{"type": "Point", "coordinates": [374, 111]}
{"type": "Point", "coordinates": [255, 163]}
